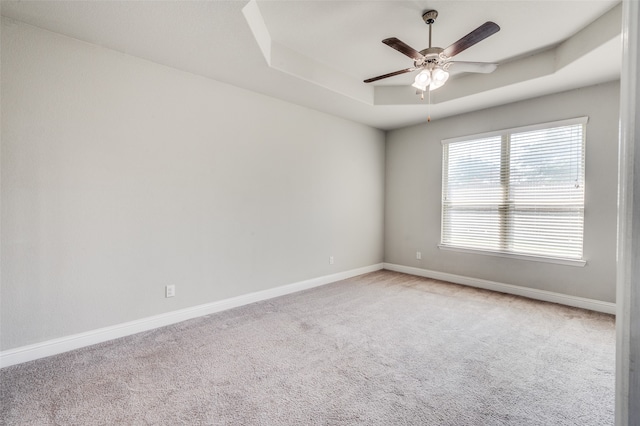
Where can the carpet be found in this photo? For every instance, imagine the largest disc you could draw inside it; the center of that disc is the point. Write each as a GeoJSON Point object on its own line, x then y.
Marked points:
{"type": "Point", "coordinates": [383, 348]}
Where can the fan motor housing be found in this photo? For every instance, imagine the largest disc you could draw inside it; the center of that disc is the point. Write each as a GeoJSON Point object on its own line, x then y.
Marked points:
{"type": "Point", "coordinates": [430, 52]}
{"type": "Point", "coordinates": [431, 55]}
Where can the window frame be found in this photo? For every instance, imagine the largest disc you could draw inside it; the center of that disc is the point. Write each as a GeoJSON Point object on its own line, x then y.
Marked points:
{"type": "Point", "coordinates": [502, 133]}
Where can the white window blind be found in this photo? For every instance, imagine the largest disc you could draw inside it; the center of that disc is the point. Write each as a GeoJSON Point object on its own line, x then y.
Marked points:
{"type": "Point", "coordinates": [519, 191]}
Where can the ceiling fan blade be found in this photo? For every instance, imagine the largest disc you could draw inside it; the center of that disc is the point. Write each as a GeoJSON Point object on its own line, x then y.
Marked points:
{"type": "Point", "coordinates": [475, 36]}
{"type": "Point", "coordinates": [391, 74]}
{"type": "Point", "coordinates": [480, 67]}
{"type": "Point", "coordinates": [403, 48]}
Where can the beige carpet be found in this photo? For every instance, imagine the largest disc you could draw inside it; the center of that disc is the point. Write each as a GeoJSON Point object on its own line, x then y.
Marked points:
{"type": "Point", "coordinates": [380, 349]}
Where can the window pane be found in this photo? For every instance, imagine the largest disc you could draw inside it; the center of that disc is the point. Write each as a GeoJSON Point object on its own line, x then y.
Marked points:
{"type": "Point", "coordinates": [547, 166]}
{"type": "Point", "coordinates": [477, 228]}
{"type": "Point", "coordinates": [555, 233]}
{"type": "Point", "coordinates": [473, 172]}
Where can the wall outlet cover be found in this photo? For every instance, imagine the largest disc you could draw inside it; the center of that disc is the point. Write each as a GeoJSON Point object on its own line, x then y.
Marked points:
{"type": "Point", "coordinates": [170, 291]}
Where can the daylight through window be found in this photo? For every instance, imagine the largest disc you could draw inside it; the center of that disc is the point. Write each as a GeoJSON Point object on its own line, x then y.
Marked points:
{"type": "Point", "coordinates": [519, 191]}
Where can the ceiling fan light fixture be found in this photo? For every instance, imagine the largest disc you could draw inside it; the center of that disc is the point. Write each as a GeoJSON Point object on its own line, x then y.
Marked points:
{"type": "Point", "coordinates": [422, 80]}
{"type": "Point", "coordinates": [438, 78]}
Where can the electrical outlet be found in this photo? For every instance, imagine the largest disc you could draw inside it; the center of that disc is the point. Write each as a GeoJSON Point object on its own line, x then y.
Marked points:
{"type": "Point", "coordinates": [330, 260]}
{"type": "Point", "coordinates": [418, 255]}
{"type": "Point", "coordinates": [170, 291]}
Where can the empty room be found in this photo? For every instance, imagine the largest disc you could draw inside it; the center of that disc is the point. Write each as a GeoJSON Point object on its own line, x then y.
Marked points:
{"type": "Point", "coordinates": [264, 212]}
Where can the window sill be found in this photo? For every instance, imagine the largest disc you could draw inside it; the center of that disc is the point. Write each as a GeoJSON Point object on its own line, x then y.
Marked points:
{"type": "Point", "coordinates": [556, 260]}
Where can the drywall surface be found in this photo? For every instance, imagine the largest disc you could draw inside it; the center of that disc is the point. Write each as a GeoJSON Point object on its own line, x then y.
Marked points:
{"type": "Point", "coordinates": [121, 176]}
{"type": "Point", "coordinates": [414, 184]}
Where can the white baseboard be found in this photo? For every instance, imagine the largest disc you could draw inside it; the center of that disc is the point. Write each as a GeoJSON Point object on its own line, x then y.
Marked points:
{"type": "Point", "coordinates": [532, 293]}
{"type": "Point", "coordinates": [76, 341]}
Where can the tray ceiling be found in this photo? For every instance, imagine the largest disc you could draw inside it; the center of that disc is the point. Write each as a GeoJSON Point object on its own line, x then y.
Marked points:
{"type": "Point", "coordinates": [316, 53]}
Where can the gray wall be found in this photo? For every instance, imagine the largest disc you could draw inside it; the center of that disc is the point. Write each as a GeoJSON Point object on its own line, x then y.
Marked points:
{"type": "Point", "coordinates": [413, 195]}
{"type": "Point", "coordinates": [120, 176]}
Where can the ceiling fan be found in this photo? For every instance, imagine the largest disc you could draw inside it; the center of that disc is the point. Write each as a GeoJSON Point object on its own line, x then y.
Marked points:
{"type": "Point", "coordinates": [435, 61]}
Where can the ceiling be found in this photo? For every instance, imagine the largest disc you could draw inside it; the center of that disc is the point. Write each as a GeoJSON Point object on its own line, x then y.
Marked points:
{"type": "Point", "coordinates": [317, 53]}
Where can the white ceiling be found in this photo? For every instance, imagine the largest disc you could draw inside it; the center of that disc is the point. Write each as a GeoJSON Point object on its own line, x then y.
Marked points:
{"type": "Point", "coordinates": [316, 53]}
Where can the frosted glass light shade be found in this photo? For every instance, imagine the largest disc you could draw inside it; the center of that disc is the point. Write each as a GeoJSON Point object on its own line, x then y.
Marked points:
{"type": "Point", "coordinates": [422, 80]}
{"type": "Point", "coordinates": [438, 78]}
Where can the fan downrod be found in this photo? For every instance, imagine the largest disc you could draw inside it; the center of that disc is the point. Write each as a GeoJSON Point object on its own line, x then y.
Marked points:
{"type": "Point", "coordinates": [430, 16]}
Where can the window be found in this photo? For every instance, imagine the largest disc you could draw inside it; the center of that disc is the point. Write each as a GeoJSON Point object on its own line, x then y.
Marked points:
{"type": "Point", "coordinates": [516, 192]}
